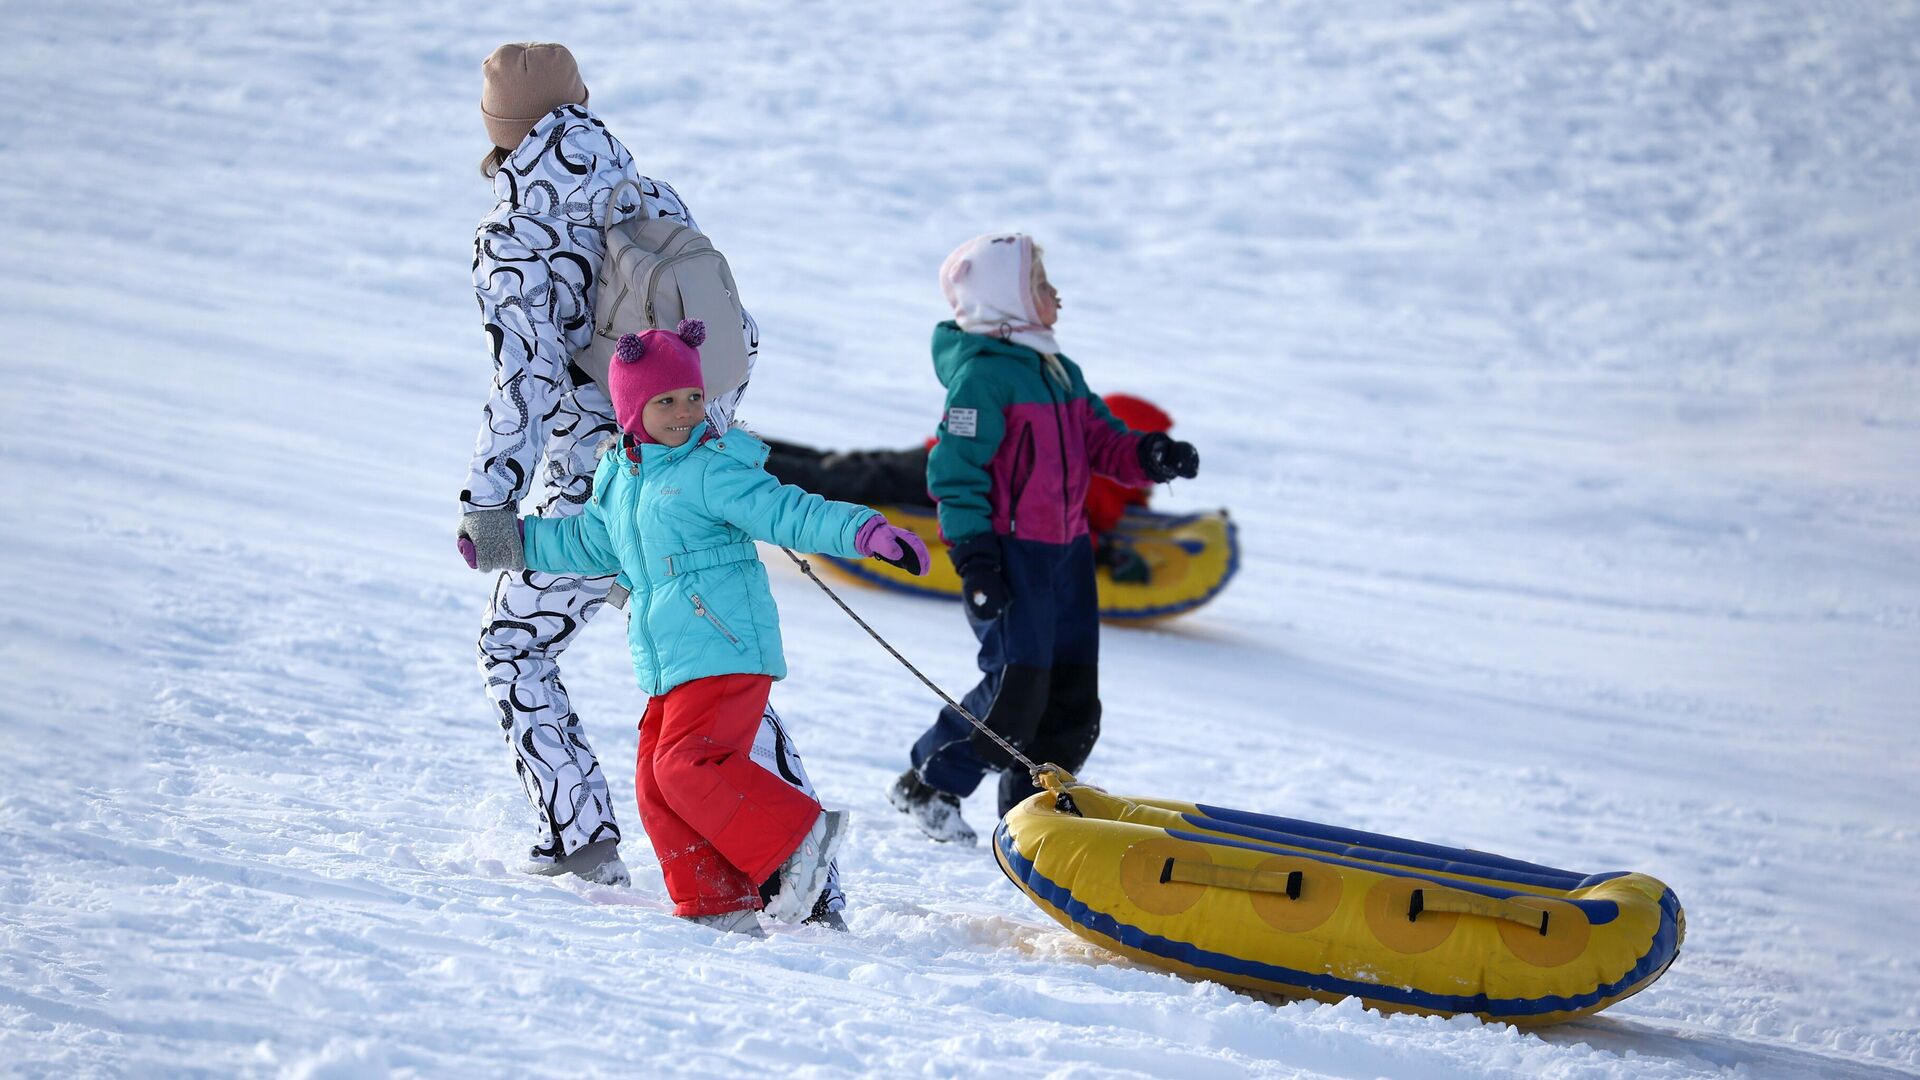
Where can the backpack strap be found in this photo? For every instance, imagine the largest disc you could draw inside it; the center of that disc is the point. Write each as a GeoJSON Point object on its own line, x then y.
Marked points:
{"type": "Point", "coordinates": [613, 199]}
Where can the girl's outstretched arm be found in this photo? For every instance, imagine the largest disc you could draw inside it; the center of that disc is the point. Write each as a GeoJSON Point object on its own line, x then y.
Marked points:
{"type": "Point", "coordinates": [752, 500]}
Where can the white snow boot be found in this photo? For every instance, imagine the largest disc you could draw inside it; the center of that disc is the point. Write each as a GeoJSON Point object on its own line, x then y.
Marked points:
{"type": "Point", "coordinates": [936, 812]}
{"type": "Point", "coordinates": [745, 921]}
{"type": "Point", "coordinates": [598, 862]}
{"type": "Point", "coordinates": [799, 880]}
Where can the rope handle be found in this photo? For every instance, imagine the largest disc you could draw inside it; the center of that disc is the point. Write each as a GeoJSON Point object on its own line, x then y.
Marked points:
{"type": "Point", "coordinates": [1041, 774]}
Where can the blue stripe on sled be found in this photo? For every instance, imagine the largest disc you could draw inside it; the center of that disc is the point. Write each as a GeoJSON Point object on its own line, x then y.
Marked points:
{"type": "Point", "coordinates": [1293, 827]}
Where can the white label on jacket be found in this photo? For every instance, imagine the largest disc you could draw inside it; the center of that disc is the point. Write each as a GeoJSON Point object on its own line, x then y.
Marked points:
{"type": "Point", "coordinates": [963, 422]}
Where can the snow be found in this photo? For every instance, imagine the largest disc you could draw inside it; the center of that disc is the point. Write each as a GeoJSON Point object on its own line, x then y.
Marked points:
{"type": "Point", "coordinates": [1559, 362]}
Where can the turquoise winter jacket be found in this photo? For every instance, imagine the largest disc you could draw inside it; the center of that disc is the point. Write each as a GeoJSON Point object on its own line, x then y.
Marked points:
{"type": "Point", "coordinates": [678, 527]}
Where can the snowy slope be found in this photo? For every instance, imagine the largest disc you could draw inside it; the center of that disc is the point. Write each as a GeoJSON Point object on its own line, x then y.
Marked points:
{"type": "Point", "coordinates": [1559, 361]}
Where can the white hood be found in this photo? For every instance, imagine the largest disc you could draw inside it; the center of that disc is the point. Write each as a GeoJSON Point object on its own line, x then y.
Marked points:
{"type": "Point", "coordinates": [988, 281]}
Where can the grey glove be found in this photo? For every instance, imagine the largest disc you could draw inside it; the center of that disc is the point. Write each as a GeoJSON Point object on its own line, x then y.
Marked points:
{"type": "Point", "coordinates": [491, 540]}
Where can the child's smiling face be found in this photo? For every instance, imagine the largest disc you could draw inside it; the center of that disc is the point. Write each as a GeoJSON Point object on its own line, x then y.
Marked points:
{"type": "Point", "coordinates": [670, 417]}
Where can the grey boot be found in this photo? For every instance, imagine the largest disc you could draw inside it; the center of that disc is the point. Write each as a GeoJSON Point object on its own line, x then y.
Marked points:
{"type": "Point", "coordinates": [598, 862]}
{"type": "Point", "coordinates": [800, 879]}
{"type": "Point", "coordinates": [745, 921]}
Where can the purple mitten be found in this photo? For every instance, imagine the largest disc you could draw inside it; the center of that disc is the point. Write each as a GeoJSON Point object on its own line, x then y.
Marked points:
{"type": "Point", "coordinates": [880, 539]}
{"type": "Point", "coordinates": [468, 552]}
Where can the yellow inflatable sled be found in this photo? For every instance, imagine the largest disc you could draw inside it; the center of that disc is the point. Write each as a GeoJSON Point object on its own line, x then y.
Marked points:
{"type": "Point", "coordinates": [1190, 558]}
{"type": "Point", "coordinates": [1304, 910]}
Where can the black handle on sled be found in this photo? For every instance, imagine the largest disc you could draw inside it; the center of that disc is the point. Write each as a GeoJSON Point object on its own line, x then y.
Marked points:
{"type": "Point", "coordinates": [1465, 903]}
{"type": "Point", "coordinates": [1232, 877]}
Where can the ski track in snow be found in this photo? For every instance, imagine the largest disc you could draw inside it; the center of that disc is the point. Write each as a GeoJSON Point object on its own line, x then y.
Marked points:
{"type": "Point", "coordinates": [1559, 362]}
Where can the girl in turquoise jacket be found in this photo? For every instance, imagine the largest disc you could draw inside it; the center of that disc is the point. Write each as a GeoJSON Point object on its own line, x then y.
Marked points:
{"type": "Point", "coordinates": [675, 512]}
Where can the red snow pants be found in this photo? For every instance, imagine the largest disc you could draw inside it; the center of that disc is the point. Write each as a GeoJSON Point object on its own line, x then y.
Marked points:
{"type": "Point", "coordinates": [720, 824]}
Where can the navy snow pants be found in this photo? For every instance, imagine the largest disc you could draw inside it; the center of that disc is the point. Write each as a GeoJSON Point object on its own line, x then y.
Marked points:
{"type": "Point", "coordinates": [1041, 690]}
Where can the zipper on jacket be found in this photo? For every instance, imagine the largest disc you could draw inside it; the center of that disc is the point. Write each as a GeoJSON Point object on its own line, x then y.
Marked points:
{"type": "Point", "coordinates": [1066, 489]}
{"type": "Point", "coordinates": [700, 608]}
{"type": "Point", "coordinates": [644, 610]}
{"type": "Point", "coordinates": [1023, 455]}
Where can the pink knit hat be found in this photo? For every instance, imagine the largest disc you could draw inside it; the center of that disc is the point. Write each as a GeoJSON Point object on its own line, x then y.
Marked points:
{"type": "Point", "coordinates": [650, 364]}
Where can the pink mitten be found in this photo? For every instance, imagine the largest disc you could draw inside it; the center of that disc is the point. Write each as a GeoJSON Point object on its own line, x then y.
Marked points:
{"type": "Point", "coordinates": [880, 539]}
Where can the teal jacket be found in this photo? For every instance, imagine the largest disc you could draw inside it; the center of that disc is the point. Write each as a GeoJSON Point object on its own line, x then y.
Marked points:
{"type": "Point", "coordinates": [678, 527]}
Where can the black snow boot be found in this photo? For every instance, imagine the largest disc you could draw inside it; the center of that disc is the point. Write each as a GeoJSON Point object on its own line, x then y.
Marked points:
{"type": "Point", "coordinates": [936, 812]}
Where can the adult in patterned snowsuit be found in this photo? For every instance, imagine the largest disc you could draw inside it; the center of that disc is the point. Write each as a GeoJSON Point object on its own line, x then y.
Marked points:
{"type": "Point", "coordinates": [536, 258]}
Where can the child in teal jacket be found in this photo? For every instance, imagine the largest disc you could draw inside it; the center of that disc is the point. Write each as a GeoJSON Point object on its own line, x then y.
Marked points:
{"type": "Point", "coordinates": [675, 512]}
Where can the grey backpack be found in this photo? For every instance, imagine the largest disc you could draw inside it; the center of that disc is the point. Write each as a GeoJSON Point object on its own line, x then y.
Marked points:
{"type": "Point", "coordinates": [658, 271]}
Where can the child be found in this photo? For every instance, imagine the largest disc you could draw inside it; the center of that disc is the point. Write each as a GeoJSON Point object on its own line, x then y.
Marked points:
{"type": "Point", "coordinates": [1020, 438]}
{"type": "Point", "coordinates": [899, 476]}
{"type": "Point", "coordinates": [675, 512]}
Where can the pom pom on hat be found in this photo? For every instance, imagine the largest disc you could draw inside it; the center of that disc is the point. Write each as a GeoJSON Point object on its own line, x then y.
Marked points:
{"type": "Point", "coordinates": [692, 331]}
{"type": "Point", "coordinates": [630, 347]}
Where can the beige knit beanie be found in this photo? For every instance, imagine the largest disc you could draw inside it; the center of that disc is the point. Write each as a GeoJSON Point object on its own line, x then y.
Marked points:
{"type": "Point", "coordinates": [522, 83]}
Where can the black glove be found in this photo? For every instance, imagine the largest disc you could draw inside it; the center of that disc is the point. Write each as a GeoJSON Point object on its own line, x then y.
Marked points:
{"type": "Point", "coordinates": [982, 586]}
{"type": "Point", "coordinates": [1164, 458]}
